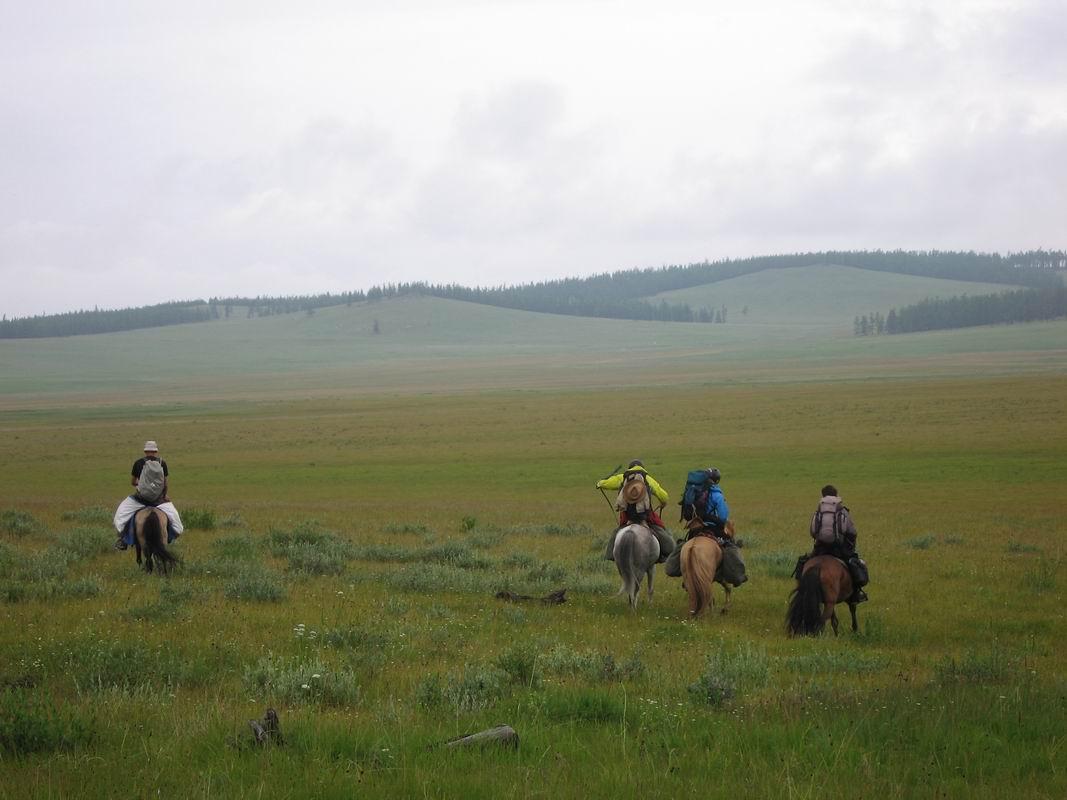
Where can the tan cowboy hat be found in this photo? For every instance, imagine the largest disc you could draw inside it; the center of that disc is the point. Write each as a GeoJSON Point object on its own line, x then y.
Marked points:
{"type": "Point", "coordinates": [634, 490]}
{"type": "Point", "coordinates": [151, 447]}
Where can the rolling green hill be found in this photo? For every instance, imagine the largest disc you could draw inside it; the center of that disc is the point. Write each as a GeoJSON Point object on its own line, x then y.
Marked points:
{"type": "Point", "coordinates": [829, 295]}
{"type": "Point", "coordinates": [428, 344]}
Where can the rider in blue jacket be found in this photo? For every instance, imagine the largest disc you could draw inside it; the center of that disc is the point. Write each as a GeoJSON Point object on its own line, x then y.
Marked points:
{"type": "Point", "coordinates": [716, 508]}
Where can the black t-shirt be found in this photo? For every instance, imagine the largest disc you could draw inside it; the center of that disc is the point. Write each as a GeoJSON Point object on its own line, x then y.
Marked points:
{"type": "Point", "coordinates": [138, 465]}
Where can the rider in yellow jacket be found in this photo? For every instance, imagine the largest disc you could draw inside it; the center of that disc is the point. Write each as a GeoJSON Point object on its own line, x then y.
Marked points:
{"type": "Point", "coordinates": [651, 518]}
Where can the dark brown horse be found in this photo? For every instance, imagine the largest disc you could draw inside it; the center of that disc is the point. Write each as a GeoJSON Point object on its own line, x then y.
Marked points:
{"type": "Point", "coordinates": [150, 536]}
{"type": "Point", "coordinates": [824, 582]}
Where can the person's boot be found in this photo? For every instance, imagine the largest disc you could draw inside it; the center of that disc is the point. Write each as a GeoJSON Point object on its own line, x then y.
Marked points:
{"type": "Point", "coordinates": [120, 544]}
{"type": "Point", "coordinates": [859, 596]}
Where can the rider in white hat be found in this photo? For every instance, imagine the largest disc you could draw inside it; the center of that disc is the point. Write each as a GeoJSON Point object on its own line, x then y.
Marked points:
{"type": "Point", "coordinates": [134, 503]}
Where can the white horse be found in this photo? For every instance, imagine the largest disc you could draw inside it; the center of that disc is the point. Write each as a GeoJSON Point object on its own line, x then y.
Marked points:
{"type": "Point", "coordinates": [636, 552]}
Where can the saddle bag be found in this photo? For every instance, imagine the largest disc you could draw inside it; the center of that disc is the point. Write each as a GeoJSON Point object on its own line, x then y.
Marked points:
{"type": "Point", "coordinates": [732, 568]}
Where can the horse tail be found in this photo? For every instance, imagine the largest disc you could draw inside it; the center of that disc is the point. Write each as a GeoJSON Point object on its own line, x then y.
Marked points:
{"type": "Point", "coordinates": [155, 542]}
{"type": "Point", "coordinates": [625, 545]}
{"type": "Point", "coordinates": [698, 571]}
{"type": "Point", "coordinates": [804, 615]}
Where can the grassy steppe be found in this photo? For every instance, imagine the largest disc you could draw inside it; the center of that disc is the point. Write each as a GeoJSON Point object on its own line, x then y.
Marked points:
{"type": "Point", "coordinates": [358, 538]}
{"type": "Point", "coordinates": [429, 345]}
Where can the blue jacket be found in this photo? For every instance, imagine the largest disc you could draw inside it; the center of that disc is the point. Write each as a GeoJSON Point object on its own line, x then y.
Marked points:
{"type": "Point", "coordinates": [717, 504]}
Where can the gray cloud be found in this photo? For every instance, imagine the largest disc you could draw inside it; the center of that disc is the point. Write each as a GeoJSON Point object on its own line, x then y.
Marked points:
{"type": "Point", "coordinates": [150, 152]}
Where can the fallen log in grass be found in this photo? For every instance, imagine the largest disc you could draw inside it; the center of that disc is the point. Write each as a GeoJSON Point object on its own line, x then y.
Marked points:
{"type": "Point", "coordinates": [500, 736]}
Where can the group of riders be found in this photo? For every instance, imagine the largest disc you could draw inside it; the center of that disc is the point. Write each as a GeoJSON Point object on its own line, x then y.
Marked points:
{"type": "Point", "coordinates": [640, 500]}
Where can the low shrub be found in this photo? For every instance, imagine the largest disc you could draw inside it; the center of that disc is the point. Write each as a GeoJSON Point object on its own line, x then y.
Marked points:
{"type": "Point", "coordinates": [921, 542]}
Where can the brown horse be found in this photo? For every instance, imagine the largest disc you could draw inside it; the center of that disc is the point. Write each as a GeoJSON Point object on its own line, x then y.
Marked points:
{"type": "Point", "coordinates": [700, 559]}
{"type": "Point", "coordinates": [149, 536]}
{"type": "Point", "coordinates": [824, 582]}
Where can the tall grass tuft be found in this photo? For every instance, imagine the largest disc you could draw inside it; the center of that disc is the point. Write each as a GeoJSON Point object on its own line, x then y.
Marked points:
{"type": "Point", "coordinates": [728, 674]}
{"type": "Point", "coordinates": [476, 688]}
{"type": "Point", "coordinates": [19, 523]}
{"type": "Point", "coordinates": [583, 705]}
{"type": "Point", "coordinates": [86, 542]}
{"type": "Point", "coordinates": [199, 519]}
{"type": "Point", "coordinates": [311, 682]}
{"type": "Point", "coordinates": [1042, 577]}
{"type": "Point", "coordinates": [921, 542]}
{"type": "Point", "coordinates": [241, 547]}
{"type": "Point", "coordinates": [255, 583]}
{"type": "Point", "coordinates": [94, 515]}
{"type": "Point", "coordinates": [991, 666]}
{"type": "Point", "coordinates": [776, 564]}
{"type": "Point", "coordinates": [591, 665]}
{"type": "Point", "coordinates": [520, 664]}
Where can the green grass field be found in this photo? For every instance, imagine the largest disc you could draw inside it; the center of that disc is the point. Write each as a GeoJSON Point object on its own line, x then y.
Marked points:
{"type": "Point", "coordinates": [358, 500]}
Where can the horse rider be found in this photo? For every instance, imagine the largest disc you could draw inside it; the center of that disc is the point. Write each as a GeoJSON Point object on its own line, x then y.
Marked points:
{"type": "Point", "coordinates": [640, 512]}
{"type": "Point", "coordinates": [834, 533]}
{"type": "Point", "coordinates": [714, 513]}
{"type": "Point", "coordinates": [134, 503]}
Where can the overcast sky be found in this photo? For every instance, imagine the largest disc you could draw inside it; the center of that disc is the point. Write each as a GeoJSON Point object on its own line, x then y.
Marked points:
{"type": "Point", "coordinates": [156, 151]}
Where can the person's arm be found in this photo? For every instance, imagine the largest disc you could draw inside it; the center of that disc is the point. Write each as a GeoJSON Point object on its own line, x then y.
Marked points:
{"type": "Point", "coordinates": [717, 506]}
{"type": "Point", "coordinates": [614, 482]}
{"type": "Point", "coordinates": [135, 473]}
{"type": "Point", "coordinates": [848, 528]}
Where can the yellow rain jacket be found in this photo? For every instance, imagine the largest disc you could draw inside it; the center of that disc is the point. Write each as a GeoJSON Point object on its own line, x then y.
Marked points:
{"type": "Point", "coordinates": [615, 483]}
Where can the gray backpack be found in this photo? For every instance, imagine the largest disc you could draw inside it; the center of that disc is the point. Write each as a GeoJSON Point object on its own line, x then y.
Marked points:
{"type": "Point", "coordinates": [825, 525]}
{"type": "Point", "coordinates": [152, 481]}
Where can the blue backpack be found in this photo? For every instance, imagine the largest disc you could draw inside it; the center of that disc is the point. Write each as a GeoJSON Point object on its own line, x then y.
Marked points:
{"type": "Point", "coordinates": [695, 497]}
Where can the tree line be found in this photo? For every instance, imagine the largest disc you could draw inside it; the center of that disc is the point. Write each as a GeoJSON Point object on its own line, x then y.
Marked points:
{"type": "Point", "coordinates": [965, 311]}
{"type": "Point", "coordinates": [618, 295]}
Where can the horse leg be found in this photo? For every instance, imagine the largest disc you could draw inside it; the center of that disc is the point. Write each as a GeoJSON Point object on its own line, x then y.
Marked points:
{"type": "Point", "coordinates": [852, 610]}
{"type": "Point", "coordinates": [651, 572]}
{"type": "Point", "coordinates": [726, 602]}
{"type": "Point", "coordinates": [137, 545]}
{"type": "Point", "coordinates": [833, 617]}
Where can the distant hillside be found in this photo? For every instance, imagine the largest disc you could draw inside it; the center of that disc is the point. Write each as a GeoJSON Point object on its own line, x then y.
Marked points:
{"type": "Point", "coordinates": [617, 295]}
{"type": "Point", "coordinates": [426, 344]}
{"type": "Point", "coordinates": [830, 295]}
